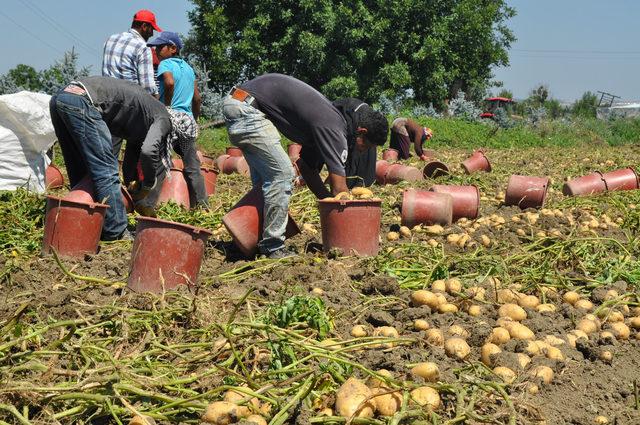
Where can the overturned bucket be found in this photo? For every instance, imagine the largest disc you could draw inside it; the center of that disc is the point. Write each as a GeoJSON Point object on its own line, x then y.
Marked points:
{"type": "Point", "coordinates": [178, 163]}
{"type": "Point", "coordinates": [398, 172]}
{"type": "Point", "coordinates": [236, 164]}
{"type": "Point", "coordinates": [165, 254]}
{"type": "Point", "coordinates": [390, 154]}
{"type": "Point", "coordinates": [466, 200]}
{"type": "Point", "coordinates": [234, 151]}
{"type": "Point", "coordinates": [585, 185]}
{"type": "Point", "coordinates": [353, 226]}
{"type": "Point", "coordinates": [84, 192]}
{"type": "Point", "coordinates": [526, 191]}
{"type": "Point", "coordinates": [244, 222]}
{"type": "Point", "coordinates": [53, 177]}
{"type": "Point", "coordinates": [478, 161]}
{"type": "Point", "coordinates": [71, 228]}
{"type": "Point", "coordinates": [426, 207]}
{"type": "Point", "coordinates": [221, 160]}
{"type": "Point", "coordinates": [382, 167]}
{"type": "Point", "coordinates": [624, 179]}
{"type": "Point", "coordinates": [435, 169]}
{"type": "Point", "coordinates": [210, 176]}
{"type": "Point", "coordinates": [174, 188]}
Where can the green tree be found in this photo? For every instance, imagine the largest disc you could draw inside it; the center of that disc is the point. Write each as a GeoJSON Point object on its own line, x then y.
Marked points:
{"type": "Point", "coordinates": [366, 48]}
{"type": "Point", "coordinates": [586, 105]}
{"type": "Point", "coordinates": [25, 76]}
{"type": "Point", "coordinates": [505, 93]}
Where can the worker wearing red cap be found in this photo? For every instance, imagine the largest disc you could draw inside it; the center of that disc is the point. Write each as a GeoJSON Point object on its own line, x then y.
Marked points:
{"type": "Point", "coordinates": [404, 132]}
{"type": "Point", "coordinates": [126, 55]}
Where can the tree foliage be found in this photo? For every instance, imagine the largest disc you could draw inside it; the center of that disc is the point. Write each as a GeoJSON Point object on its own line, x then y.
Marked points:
{"type": "Point", "coordinates": [364, 48]}
{"type": "Point", "coordinates": [586, 106]}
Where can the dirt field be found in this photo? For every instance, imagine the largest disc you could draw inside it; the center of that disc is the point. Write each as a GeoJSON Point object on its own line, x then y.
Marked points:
{"type": "Point", "coordinates": [77, 347]}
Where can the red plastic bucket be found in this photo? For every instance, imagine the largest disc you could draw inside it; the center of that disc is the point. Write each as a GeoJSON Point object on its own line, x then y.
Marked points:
{"type": "Point", "coordinates": [244, 222]}
{"type": "Point", "coordinates": [390, 154]}
{"type": "Point", "coordinates": [382, 167]}
{"type": "Point", "coordinates": [293, 150]}
{"type": "Point", "coordinates": [466, 200]}
{"type": "Point", "coordinates": [174, 188]}
{"type": "Point", "coordinates": [435, 169]}
{"type": "Point", "coordinates": [526, 191]}
{"type": "Point", "coordinates": [165, 254]}
{"type": "Point", "coordinates": [72, 228]}
{"type": "Point", "coordinates": [178, 163]}
{"type": "Point", "coordinates": [585, 185]}
{"type": "Point", "coordinates": [234, 151]}
{"type": "Point", "coordinates": [398, 172]}
{"type": "Point", "coordinates": [53, 177]}
{"type": "Point", "coordinates": [624, 179]}
{"type": "Point", "coordinates": [476, 162]}
{"type": "Point", "coordinates": [426, 207]}
{"type": "Point", "coordinates": [84, 192]}
{"type": "Point", "coordinates": [210, 176]}
{"type": "Point", "coordinates": [351, 226]}
{"type": "Point", "coordinates": [236, 164]}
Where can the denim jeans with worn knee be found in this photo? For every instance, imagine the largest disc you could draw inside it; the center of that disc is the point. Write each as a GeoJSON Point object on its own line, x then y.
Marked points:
{"type": "Point", "coordinates": [270, 166]}
{"type": "Point", "coordinates": [86, 146]}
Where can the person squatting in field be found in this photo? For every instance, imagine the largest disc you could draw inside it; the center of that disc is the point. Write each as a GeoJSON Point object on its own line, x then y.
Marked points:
{"type": "Point", "coordinates": [179, 92]}
{"type": "Point", "coordinates": [404, 132]}
{"type": "Point", "coordinates": [343, 135]}
{"type": "Point", "coordinates": [86, 114]}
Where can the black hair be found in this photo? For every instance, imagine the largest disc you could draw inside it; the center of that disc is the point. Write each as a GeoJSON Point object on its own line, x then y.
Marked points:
{"type": "Point", "coordinates": [375, 122]}
{"type": "Point", "coordinates": [137, 24]}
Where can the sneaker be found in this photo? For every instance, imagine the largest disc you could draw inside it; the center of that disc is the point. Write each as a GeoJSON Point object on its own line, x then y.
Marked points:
{"type": "Point", "coordinates": [280, 254]}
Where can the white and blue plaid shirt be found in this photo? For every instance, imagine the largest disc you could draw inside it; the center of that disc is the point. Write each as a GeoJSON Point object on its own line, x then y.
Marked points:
{"type": "Point", "coordinates": [127, 57]}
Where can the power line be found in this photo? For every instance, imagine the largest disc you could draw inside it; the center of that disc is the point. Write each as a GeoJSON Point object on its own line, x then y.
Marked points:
{"type": "Point", "coordinates": [56, 26]}
{"type": "Point", "coordinates": [598, 52]}
{"type": "Point", "coordinates": [29, 32]}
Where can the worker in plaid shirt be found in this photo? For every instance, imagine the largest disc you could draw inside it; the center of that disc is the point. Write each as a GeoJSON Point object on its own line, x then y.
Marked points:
{"type": "Point", "coordinates": [126, 55]}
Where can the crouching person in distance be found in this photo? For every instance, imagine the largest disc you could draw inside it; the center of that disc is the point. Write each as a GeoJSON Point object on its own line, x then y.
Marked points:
{"type": "Point", "coordinates": [85, 115]}
{"type": "Point", "coordinates": [404, 133]}
{"type": "Point", "coordinates": [340, 136]}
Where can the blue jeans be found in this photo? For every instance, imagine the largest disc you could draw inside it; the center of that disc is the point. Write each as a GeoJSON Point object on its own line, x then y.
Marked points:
{"type": "Point", "coordinates": [86, 146]}
{"type": "Point", "coordinates": [270, 166]}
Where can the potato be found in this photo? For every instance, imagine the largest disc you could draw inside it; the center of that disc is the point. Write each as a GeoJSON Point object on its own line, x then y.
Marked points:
{"type": "Point", "coordinates": [426, 397]}
{"type": "Point", "coordinates": [634, 322]}
{"type": "Point", "coordinates": [620, 330]}
{"type": "Point", "coordinates": [142, 420]}
{"type": "Point", "coordinates": [374, 382]}
{"type": "Point", "coordinates": [512, 311]}
{"type": "Point", "coordinates": [553, 340]}
{"type": "Point", "coordinates": [421, 325]}
{"type": "Point", "coordinates": [386, 403]}
{"type": "Point", "coordinates": [453, 238]}
{"type": "Point", "coordinates": [343, 196]}
{"type": "Point", "coordinates": [615, 316]}
{"type": "Point", "coordinates": [442, 299]}
{"type": "Point", "coordinates": [428, 371]}
{"type": "Point", "coordinates": [553, 353]}
{"type": "Point", "coordinates": [605, 356]}
{"type": "Point", "coordinates": [447, 308]}
{"type": "Point", "coordinates": [350, 399]}
{"type": "Point", "coordinates": [507, 375]}
{"type": "Point", "coordinates": [453, 285]}
{"type": "Point", "coordinates": [317, 291]}
{"type": "Point", "coordinates": [506, 296]}
{"type": "Point", "coordinates": [424, 297]}
{"type": "Point", "coordinates": [256, 419]}
{"type": "Point", "coordinates": [439, 285]}
{"type": "Point", "coordinates": [587, 326]}
{"type": "Point", "coordinates": [432, 243]}
{"type": "Point", "coordinates": [405, 232]}
{"type": "Point", "coordinates": [221, 413]}
{"type": "Point", "coordinates": [393, 236]}
{"type": "Point", "coordinates": [600, 420]}
{"type": "Point", "coordinates": [584, 305]}
{"type": "Point", "coordinates": [241, 400]}
{"type": "Point", "coordinates": [520, 331]}
{"type": "Point", "coordinates": [457, 330]}
{"type": "Point", "coordinates": [499, 336]}
{"type": "Point", "coordinates": [546, 308]}
{"type": "Point", "coordinates": [543, 372]}
{"type": "Point", "coordinates": [520, 232]}
{"type": "Point", "coordinates": [487, 351]}
{"type": "Point", "coordinates": [362, 192]}
{"type": "Point", "coordinates": [359, 331]}
{"type": "Point", "coordinates": [457, 348]}
{"type": "Point", "coordinates": [476, 292]}
{"type": "Point", "coordinates": [523, 360]}
{"type": "Point", "coordinates": [474, 310]}
{"type": "Point", "coordinates": [529, 301]}
{"type": "Point", "coordinates": [532, 388]}
{"type": "Point", "coordinates": [436, 229]}
{"type": "Point", "coordinates": [570, 297]}
{"type": "Point", "coordinates": [485, 240]}
{"type": "Point", "coordinates": [327, 411]}
{"type": "Point", "coordinates": [574, 335]}
{"type": "Point", "coordinates": [435, 337]}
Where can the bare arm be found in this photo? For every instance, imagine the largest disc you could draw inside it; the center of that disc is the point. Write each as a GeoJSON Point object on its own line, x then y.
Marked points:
{"type": "Point", "coordinates": [196, 102]}
{"type": "Point", "coordinates": [169, 85]}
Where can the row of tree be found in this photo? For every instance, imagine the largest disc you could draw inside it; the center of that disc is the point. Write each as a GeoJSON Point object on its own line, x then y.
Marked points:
{"type": "Point", "coordinates": [540, 97]}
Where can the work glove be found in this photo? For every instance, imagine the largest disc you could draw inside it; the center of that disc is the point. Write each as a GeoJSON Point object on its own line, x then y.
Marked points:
{"type": "Point", "coordinates": [145, 210]}
{"type": "Point", "coordinates": [138, 191]}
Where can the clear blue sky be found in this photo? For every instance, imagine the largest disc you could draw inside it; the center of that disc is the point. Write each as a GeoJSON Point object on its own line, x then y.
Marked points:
{"type": "Point", "coordinates": [570, 45]}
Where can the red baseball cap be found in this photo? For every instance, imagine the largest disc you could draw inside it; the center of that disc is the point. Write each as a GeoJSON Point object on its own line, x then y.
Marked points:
{"type": "Point", "coordinates": [146, 16]}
